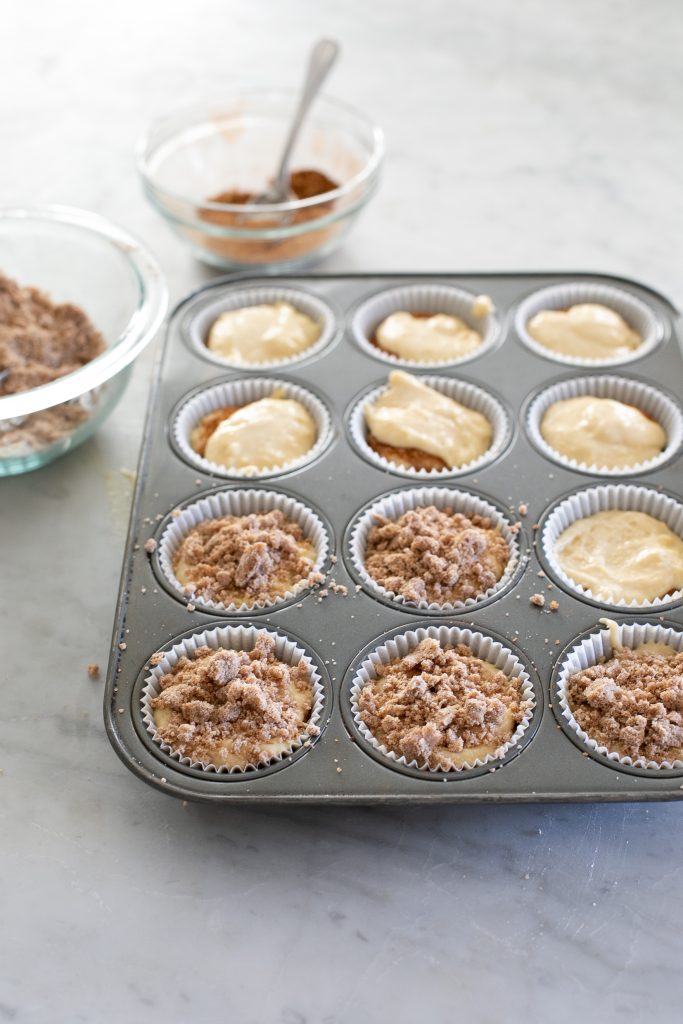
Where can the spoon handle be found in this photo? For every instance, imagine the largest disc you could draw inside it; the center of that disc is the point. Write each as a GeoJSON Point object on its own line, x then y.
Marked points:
{"type": "Point", "coordinates": [323, 56]}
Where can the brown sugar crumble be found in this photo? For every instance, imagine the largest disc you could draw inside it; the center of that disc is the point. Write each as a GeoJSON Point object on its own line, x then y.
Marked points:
{"type": "Point", "coordinates": [436, 555]}
{"type": "Point", "coordinates": [632, 703]}
{"type": "Point", "coordinates": [244, 559]}
{"type": "Point", "coordinates": [441, 706]}
{"type": "Point", "coordinates": [41, 340]}
{"type": "Point", "coordinates": [413, 458]}
{"type": "Point", "coordinates": [234, 708]}
{"type": "Point", "coordinates": [150, 546]}
{"type": "Point", "coordinates": [537, 599]}
{"type": "Point", "coordinates": [94, 670]}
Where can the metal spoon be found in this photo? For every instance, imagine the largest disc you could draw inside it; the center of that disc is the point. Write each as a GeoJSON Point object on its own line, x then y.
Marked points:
{"type": "Point", "coordinates": [323, 56]}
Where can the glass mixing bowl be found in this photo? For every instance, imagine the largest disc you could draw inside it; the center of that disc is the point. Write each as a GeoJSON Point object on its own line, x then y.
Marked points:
{"type": "Point", "coordinates": [80, 258]}
{"type": "Point", "coordinates": [234, 145]}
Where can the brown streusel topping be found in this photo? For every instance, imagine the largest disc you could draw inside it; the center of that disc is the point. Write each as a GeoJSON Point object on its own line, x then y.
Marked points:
{"type": "Point", "coordinates": [40, 341]}
{"type": "Point", "coordinates": [413, 458]}
{"type": "Point", "coordinates": [200, 434]}
{"type": "Point", "coordinates": [234, 708]}
{"type": "Point", "coordinates": [436, 555]}
{"type": "Point", "coordinates": [244, 559]}
{"type": "Point", "coordinates": [632, 703]}
{"type": "Point", "coordinates": [441, 706]}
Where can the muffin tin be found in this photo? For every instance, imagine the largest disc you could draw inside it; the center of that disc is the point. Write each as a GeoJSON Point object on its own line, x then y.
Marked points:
{"type": "Point", "coordinates": [338, 632]}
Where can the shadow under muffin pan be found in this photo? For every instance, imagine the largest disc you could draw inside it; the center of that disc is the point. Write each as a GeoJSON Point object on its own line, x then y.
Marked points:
{"type": "Point", "coordinates": [336, 630]}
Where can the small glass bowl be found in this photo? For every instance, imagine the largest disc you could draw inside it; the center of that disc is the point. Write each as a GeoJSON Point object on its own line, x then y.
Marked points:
{"type": "Point", "coordinates": [76, 257]}
{"type": "Point", "coordinates": [234, 144]}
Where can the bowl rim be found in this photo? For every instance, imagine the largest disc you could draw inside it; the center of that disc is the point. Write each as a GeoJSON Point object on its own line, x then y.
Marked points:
{"type": "Point", "coordinates": [145, 152]}
{"type": "Point", "coordinates": [138, 332]}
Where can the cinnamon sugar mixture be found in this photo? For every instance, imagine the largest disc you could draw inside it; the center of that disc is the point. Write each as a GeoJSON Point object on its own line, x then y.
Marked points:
{"type": "Point", "coordinates": [39, 341]}
{"type": "Point", "coordinates": [632, 703]}
{"type": "Point", "coordinates": [234, 708]}
{"type": "Point", "coordinates": [436, 555]}
{"type": "Point", "coordinates": [244, 559]}
{"type": "Point", "coordinates": [441, 706]}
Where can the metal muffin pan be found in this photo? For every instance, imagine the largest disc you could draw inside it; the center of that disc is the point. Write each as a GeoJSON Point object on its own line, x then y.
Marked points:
{"type": "Point", "coordinates": [339, 631]}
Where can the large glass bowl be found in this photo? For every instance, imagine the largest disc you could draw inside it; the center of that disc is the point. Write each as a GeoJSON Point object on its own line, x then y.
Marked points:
{"type": "Point", "coordinates": [234, 144]}
{"type": "Point", "coordinates": [80, 258]}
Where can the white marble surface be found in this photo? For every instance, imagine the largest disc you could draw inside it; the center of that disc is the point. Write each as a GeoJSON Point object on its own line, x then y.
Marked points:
{"type": "Point", "coordinates": [521, 135]}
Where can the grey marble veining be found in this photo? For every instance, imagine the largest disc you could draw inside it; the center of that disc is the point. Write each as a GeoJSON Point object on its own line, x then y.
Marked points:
{"type": "Point", "coordinates": [520, 135]}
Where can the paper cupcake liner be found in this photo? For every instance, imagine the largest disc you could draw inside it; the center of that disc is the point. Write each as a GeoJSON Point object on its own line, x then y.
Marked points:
{"type": "Point", "coordinates": [625, 497]}
{"type": "Point", "coordinates": [586, 654]}
{"type": "Point", "coordinates": [636, 313]}
{"type": "Point", "coordinates": [422, 298]}
{"type": "Point", "coordinates": [199, 323]}
{"type": "Point", "coordinates": [460, 391]}
{"type": "Point", "coordinates": [240, 503]}
{"type": "Point", "coordinates": [237, 638]}
{"type": "Point", "coordinates": [483, 647]}
{"type": "Point", "coordinates": [622, 389]}
{"type": "Point", "coordinates": [395, 505]}
{"type": "Point", "coordinates": [242, 392]}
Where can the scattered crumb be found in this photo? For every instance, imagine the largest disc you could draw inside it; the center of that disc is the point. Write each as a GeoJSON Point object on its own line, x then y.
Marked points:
{"type": "Point", "coordinates": [93, 670]}
{"type": "Point", "coordinates": [150, 546]}
{"type": "Point", "coordinates": [191, 607]}
{"type": "Point", "coordinates": [522, 509]}
{"type": "Point", "coordinates": [339, 771]}
{"type": "Point", "coordinates": [156, 659]}
{"type": "Point", "coordinates": [537, 599]}
{"type": "Point", "coordinates": [554, 605]}
{"type": "Point", "coordinates": [122, 646]}
{"type": "Point", "coordinates": [541, 574]}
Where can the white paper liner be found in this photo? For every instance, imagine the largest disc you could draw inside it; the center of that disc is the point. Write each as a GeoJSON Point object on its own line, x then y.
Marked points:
{"type": "Point", "coordinates": [238, 638]}
{"type": "Point", "coordinates": [466, 394]}
{"type": "Point", "coordinates": [241, 392]}
{"type": "Point", "coordinates": [636, 313]}
{"type": "Point", "coordinates": [483, 647]}
{"type": "Point", "coordinates": [240, 503]}
{"type": "Point", "coordinates": [622, 389]}
{"type": "Point", "coordinates": [392, 506]}
{"type": "Point", "coordinates": [626, 497]}
{"type": "Point", "coordinates": [199, 325]}
{"type": "Point", "coordinates": [586, 654]}
{"type": "Point", "coordinates": [422, 298]}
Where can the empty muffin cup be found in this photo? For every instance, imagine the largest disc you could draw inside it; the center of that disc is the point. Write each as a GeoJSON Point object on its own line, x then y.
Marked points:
{"type": "Point", "coordinates": [648, 399]}
{"type": "Point", "coordinates": [469, 395]}
{"type": "Point", "coordinates": [199, 322]}
{"type": "Point", "coordinates": [637, 314]}
{"type": "Point", "coordinates": [393, 506]}
{"type": "Point", "coordinates": [241, 503]}
{"type": "Point", "coordinates": [233, 638]}
{"type": "Point", "coordinates": [487, 649]}
{"type": "Point", "coordinates": [604, 498]}
{"type": "Point", "coordinates": [238, 393]}
{"type": "Point", "coordinates": [587, 653]}
{"type": "Point", "coordinates": [425, 300]}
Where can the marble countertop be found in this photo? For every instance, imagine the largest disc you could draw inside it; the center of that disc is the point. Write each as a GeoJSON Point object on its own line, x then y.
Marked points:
{"type": "Point", "coordinates": [520, 136]}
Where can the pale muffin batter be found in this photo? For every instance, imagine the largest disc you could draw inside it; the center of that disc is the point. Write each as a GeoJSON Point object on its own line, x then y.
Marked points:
{"type": "Point", "coordinates": [588, 330]}
{"type": "Point", "coordinates": [261, 334]}
{"type": "Point", "coordinates": [601, 432]}
{"type": "Point", "coordinates": [410, 414]}
{"type": "Point", "coordinates": [622, 556]}
{"type": "Point", "coordinates": [264, 434]}
{"type": "Point", "coordinates": [427, 339]}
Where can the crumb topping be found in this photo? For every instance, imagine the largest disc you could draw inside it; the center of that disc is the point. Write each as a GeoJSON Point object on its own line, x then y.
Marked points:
{"type": "Point", "coordinates": [632, 703]}
{"type": "Point", "coordinates": [436, 555]}
{"type": "Point", "coordinates": [244, 559]}
{"type": "Point", "coordinates": [441, 706]}
{"type": "Point", "coordinates": [234, 708]}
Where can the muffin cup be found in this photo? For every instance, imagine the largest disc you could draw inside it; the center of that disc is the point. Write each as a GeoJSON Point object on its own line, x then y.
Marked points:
{"type": "Point", "coordinates": [645, 397]}
{"type": "Point", "coordinates": [624, 497]}
{"type": "Point", "coordinates": [484, 647]}
{"type": "Point", "coordinates": [422, 298]}
{"type": "Point", "coordinates": [461, 391]}
{"type": "Point", "coordinates": [395, 505]}
{"type": "Point", "coordinates": [636, 313]}
{"type": "Point", "coordinates": [242, 392]}
{"type": "Point", "coordinates": [240, 503]}
{"type": "Point", "coordinates": [237, 638]}
{"type": "Point", "coordinates": [586, 654]}
{"type": "Point", "coordinates": [199, 323]}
